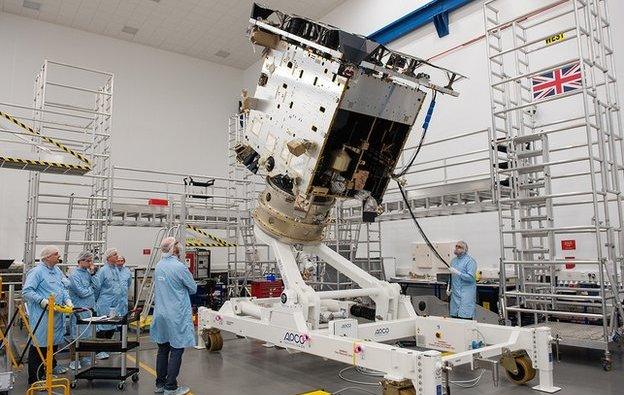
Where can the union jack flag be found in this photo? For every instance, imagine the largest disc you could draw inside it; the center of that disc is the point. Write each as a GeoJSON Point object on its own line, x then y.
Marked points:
{"type": "Point", "coordinates": [557, 81]}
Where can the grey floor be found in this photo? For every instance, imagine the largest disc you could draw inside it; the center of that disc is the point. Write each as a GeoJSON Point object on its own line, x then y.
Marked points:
{"type": "Point", "coordinates": [246, 367]}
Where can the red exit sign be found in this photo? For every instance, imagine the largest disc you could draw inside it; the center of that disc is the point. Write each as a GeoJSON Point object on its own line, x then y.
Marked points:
{"type": "Point", "coordinates": [147, 251]}
{"type": "Point", "coordinates": [568, 245]}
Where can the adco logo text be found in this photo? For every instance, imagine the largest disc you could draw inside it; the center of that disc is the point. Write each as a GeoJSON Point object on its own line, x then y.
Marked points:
{"type": "Point", "coordinates": [382, 331]}
{"type": "Point", "coordinates": [295, 339]}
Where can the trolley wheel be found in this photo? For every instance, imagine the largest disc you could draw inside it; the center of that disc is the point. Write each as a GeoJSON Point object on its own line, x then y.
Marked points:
{"type": "Point", "coordinates": [607, 365]}
{"type": "Point", "coordinates": [73, 384]}
{"type": "Point", "coordinates": [525, 373]}
{"type": "Point", "coordinates": [213, 339]}
{"type": "Point", "coordinates": [121, 386]}
{"type": "Point", "coordinates": [135, 378]}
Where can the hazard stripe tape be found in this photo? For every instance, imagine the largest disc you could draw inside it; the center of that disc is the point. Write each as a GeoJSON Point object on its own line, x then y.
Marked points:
{"type": "Point", "coordinates": [62, 147]}
{"type": "Point", "coordinates": [211, 237]}
{"type": "Point", "coordinates": [44, 163]}
{"type": "Point", "coordinates": [192, 243]}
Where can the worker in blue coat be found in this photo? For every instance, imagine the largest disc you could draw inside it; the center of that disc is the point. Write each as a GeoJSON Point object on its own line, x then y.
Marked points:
{"type": "Point", "coordinates": [44, 280]}
{"type": "Point", "coordinates": [463, 283]}
{"type": "Point", "coordinates": [172, 323]}
{"type": "Point", "coordinates": [108, 294]}
{"type": "Point", "coordinates": [125, 277]}
{"type": "Point", "coordinates": [83, 295]}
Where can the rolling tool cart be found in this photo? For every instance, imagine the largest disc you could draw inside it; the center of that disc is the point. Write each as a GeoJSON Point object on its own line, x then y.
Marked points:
{"type": "Point", "coordinates": [93, 346]}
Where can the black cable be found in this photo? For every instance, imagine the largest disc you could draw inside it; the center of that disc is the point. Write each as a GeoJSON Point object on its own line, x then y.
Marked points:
{"type": "Point", "coordinates": [8, 327]}
{"type": "Point", "coordinates": [422, 138]}
{"type": "Point", "coordinates": [406, 169]}
{"type": "Point", "coordinates": [43, 313]}
{"type": "Point", "coordinates": [420, 229]}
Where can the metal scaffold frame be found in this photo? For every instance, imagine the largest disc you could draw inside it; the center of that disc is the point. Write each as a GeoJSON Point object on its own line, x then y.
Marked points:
{"type": "Point", "coordinates": [544, 157]}
{"type": "Point", "coordinates": [72, 113]}
{"type": "Point", "coordinates": [186, 206]}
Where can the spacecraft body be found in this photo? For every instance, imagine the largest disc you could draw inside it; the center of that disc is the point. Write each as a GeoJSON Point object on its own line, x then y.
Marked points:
{"type": "Point", "coordinates": [328, 120]}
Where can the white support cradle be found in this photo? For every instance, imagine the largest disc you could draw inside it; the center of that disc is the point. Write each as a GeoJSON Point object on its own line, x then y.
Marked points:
{"type": "Point", "coordinates": [294, 321]}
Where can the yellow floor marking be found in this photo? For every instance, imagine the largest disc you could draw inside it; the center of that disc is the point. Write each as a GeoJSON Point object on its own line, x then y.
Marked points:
{"type": "Point", "coordinates": [147, 368]}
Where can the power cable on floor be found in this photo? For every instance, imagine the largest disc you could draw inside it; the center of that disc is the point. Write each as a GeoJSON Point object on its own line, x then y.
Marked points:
{"type": "Point", "coordinates": [470, 383]}
{"type": "Point", "coordinates": [341, 375]}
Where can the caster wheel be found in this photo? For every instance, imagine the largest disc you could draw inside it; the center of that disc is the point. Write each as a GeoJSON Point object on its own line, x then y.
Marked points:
{"type": "Point", "coordinates": [525, 373]}
{"type": "Point", "coordinates": [121, 386]}
{"type": "Point", "coordinates": [607, 365]}
{"type": "Point", "coordinates": [213, 339]}
{"type": "Point", "coordinates": [73, 384]}
{"type": "Point", "coordinates": [135, 378]}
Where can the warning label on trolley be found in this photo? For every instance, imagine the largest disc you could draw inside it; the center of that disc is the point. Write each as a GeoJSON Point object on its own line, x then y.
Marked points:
{"type": "Point", "coordinates": [555, 38]}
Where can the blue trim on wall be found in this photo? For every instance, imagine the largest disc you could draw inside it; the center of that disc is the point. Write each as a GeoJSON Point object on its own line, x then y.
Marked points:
{"type": "Point", "coordinates": [436, 11]}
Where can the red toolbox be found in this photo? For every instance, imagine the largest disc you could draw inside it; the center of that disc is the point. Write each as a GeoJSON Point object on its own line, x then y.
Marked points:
{"type": "Point", "coordinates": [267, 289]}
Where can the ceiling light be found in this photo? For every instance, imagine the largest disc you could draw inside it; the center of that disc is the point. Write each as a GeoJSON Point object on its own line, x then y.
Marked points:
{"type": "Point", "coordinates": [33, 5]}
{"type": "Point", "coordinates": [130, 30]}
{"type": "Point", "coordinates": [222, 54]}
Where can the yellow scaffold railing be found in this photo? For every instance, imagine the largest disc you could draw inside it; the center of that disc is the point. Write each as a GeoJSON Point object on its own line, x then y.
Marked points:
{"type": "Point", "coordinates": [42, 165]}
{"type": "Point", "coordinates": [218, 242]}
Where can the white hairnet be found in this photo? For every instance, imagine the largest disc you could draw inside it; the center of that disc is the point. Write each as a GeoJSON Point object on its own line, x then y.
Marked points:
{"type": "Point", "coordinates": [48, 251]}
{"type": "Point", "coordinates": [464, 245]}
{"type": "Point", "coordinates": [84, 256]}
{"type": "Point", "coordinates": [167, 244]}
{"type": "Point", "coordinates": [110, 252]}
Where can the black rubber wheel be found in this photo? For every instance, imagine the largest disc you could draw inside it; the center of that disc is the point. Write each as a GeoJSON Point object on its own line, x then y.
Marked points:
{"type": "Point", "coordinates": [607, 365]}
{"type": "Point", "coordinates": [135, 378]}
{"type": "Point", "coordinates": [526, 372]}
{"type": "Point", "coordinates": [121, 386]}
{"type": "Point", "coordinates": [73, 384]}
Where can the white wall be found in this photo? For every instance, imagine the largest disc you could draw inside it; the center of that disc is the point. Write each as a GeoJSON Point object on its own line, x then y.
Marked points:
{"type": "Point", "coordinates": [170, 111]}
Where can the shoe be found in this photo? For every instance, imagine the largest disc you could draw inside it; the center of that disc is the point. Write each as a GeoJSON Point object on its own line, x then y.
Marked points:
{"type": "Point", "coordinates": [60, 369]}
{"type": "Point", "coordinates": [86, 361]}
{"type": "Point", "coordinates": [102, 355]}
{"type": "Point", "coordinates": [178, 391]}
{"type": "Point", "coordinates": [74, 366]}
{"type": "Point", "coordinates": [159, 390]}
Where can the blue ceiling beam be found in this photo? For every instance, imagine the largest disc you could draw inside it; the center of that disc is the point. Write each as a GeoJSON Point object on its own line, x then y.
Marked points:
{"type": "Point", "coordinates": [436, 11]}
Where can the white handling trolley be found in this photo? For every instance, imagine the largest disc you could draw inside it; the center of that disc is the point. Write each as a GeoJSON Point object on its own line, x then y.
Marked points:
{"type": "Point", "coordinates": [117, 373]}
{"type": "Point", "coordinates": [328, 120]}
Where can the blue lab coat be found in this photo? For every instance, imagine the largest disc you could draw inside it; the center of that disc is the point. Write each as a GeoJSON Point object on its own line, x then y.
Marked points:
{"type": "Point", "coordinates": [125, 277]}
{"type": "Point", "coordinates": [40, 283]}
{"type": "Point", "coordinates": [108, 292]}
{"type": "Point", "coordinates": [464, 287]}
{"type": "Point", "coordinates": [82, 295]}
{"type": "Point", "coordinates": [173, 318]}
